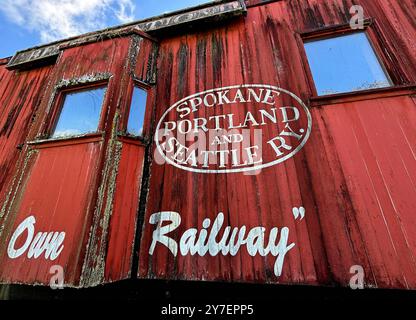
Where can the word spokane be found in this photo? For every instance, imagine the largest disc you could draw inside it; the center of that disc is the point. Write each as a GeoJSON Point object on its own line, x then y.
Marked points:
{"type": "Point", "coordinates": [217, 241]}
{"type": "Point", "coordinates": [233, 129]}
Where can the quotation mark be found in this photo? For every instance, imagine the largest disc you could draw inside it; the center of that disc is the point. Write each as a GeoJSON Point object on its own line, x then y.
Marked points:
{"type": "Point", "coordinates": [298, 212]}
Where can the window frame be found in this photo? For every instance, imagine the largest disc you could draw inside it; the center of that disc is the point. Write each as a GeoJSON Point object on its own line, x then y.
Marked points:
{"type": "Point", "coordinates": [59, 104]}
{"type": "Point", "coordinates": [371, 30]}
{"type": "Point", "coordinates": [144, 137]}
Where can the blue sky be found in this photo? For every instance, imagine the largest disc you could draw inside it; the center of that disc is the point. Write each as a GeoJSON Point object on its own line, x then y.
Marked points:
{"type": "Point", "coordinates": [27, 23]}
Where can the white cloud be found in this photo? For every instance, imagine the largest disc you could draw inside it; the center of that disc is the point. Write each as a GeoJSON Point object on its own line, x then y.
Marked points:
{"type": "Point", "coordinates": [57, 19]}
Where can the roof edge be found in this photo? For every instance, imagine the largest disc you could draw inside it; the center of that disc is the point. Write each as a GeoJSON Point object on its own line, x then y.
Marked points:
{"type": "Point", "coordinates": [205, 11]}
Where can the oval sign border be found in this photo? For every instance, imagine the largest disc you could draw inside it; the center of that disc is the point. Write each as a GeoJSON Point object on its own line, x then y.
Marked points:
{"type": "Point", "coordinates": [246, 169]}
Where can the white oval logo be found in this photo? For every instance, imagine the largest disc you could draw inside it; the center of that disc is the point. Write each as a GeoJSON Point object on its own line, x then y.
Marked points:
{"type": "Point", "coordinates": [233, 129]}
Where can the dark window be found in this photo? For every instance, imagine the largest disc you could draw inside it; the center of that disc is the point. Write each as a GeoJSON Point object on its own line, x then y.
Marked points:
{"type": "Point", "coordinates": [137, 110]}
{"type": "Point", "coordinates": [345, 63]}
{"type": "Point", "coordinates": [80, 113]}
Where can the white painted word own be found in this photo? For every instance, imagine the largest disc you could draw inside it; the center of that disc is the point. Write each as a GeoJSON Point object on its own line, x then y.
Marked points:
{"type": "Point", "coordinates": [49, 243]}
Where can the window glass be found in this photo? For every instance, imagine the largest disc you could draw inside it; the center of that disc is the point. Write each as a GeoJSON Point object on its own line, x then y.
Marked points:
{"type": "Point", "coordinates": [80, 113]}
{"type": "Point", "coordinates": [345, 63]}
{"type": "Point", "coordinates": [137, 110]}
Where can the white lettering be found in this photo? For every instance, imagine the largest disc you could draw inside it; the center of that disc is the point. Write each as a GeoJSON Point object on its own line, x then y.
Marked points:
{"type": "Point", "coordinates": [48, 243]}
